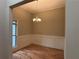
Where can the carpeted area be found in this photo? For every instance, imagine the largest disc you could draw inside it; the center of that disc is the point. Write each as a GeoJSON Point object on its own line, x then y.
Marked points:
{"type": "Point", "coordinates": [40, 52]}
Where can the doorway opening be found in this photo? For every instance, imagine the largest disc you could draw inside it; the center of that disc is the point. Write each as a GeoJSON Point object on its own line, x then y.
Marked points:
{"type": "Point", "coordinates": [35, 38]}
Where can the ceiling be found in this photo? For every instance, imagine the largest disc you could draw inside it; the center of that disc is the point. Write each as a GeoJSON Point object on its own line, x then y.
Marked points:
{"type": "Point", "coordinates": [43, 5]}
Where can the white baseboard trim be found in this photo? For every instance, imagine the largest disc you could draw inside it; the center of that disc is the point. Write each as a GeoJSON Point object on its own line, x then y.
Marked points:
{"type": "Point", "coordinates": [49, 41]}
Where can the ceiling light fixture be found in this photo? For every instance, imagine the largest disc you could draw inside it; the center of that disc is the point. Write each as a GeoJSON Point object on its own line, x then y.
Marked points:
{"type": "Point", "coordinates": [37, 19]}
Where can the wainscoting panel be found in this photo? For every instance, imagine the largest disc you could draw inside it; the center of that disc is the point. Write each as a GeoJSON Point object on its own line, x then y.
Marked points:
{"type": "Point", "coordinates": [49, 41]}
{"type": "Point", "coordinates": [23, 41]}
{"type": "Point", "coordinates": [44, 40]}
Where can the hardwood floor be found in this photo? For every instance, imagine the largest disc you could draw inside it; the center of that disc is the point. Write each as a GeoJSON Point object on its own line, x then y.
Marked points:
{"type": "Point", "coordinates": [40, 52]}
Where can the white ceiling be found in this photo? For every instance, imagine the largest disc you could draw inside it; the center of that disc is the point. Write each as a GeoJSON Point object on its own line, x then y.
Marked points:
{"type": "Point", "coordinates": [43, 5]}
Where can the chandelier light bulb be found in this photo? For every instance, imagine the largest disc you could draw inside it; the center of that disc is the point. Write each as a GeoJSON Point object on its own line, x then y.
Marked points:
{"type": "Point", "coordinates": [34, 19]}
{"type": "Point", "coordinates": [39, 19]}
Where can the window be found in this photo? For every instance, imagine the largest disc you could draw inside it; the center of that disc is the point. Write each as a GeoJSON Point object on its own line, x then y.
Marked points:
{"type": "Point", "coordinates": [14, 36]}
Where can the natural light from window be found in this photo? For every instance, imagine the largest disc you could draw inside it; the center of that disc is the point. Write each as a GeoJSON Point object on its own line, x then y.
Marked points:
{"type": "Point", "coordinates": [14, 34]}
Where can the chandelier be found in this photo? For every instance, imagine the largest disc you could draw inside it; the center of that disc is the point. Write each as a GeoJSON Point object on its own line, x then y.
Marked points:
{"type": "Point", "coordinates": [37, 19]}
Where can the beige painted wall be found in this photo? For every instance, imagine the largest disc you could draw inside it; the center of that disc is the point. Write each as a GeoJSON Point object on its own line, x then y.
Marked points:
{"type": "Point", "coordinates": [53, 23]}
{"type": "Point", "coordinates": [24, 20]}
